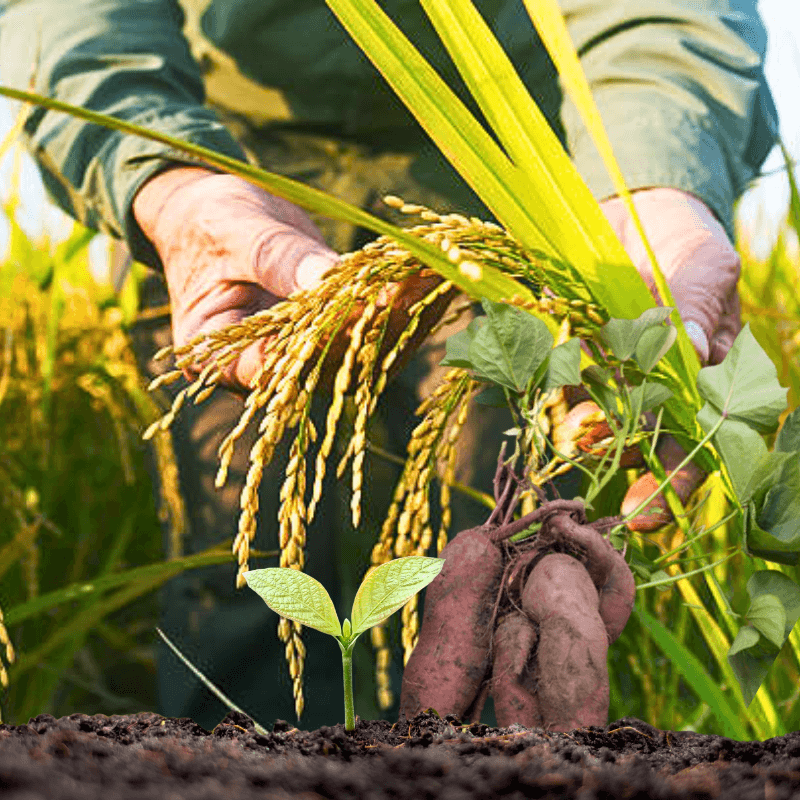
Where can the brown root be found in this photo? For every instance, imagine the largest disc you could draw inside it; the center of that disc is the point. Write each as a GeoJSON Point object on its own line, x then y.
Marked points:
{"type": "Point", "coordinates": [530, 621]}
{"type": "Point", "coordinates": [451, 660]}
{"type": "Point", "coordinates": [572, 686]}
{"type": "Point", "coordinates": [513, 677]}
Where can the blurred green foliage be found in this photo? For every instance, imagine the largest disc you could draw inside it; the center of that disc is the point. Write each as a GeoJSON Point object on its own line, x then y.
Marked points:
{"type": "Point", "coordinates": [81, 549]}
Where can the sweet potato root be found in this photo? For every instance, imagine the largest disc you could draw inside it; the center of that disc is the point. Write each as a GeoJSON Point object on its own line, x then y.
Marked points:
{"type": "Point", "coordinates": [531, 621]}
{"type": "Point", "coordinates": [451, 660]}
{"type": "Point", "coordinates": [513, 672]}
{"type": "Point", "coordinates": [607, 568]}
{"type": "Point", "coordinates": [561, 599]}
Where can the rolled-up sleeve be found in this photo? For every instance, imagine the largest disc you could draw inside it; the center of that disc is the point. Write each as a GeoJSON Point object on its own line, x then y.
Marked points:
{"type": "Point", "coordinates": [680, 86]}
{"type": "Point", "coordinates": [125, 58]}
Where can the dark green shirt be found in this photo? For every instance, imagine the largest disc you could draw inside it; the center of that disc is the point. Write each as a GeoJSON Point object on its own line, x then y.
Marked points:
{"type": "Point", "coordinates": [679, 83]}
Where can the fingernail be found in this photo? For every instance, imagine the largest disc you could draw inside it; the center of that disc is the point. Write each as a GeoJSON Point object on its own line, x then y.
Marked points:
{"type": "Point", "coordinates": [699, 339]}
{"type": "Point", "coordinates": [311, 268]}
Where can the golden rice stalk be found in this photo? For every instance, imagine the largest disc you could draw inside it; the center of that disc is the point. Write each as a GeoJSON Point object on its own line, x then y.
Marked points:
{"type": "Point", "coordinates": [289, 634]}
{"type": "Point", "coordinates": [171, 507]}
{"type": "Point", "coordinates": [364, 402]}
{"type": "Point", "coordinates": [409, 512]}
{"type": "Point", "coordinates": [410, 632]}
{"type": "Point", "coordinates": [447, 456]}
{"type": "Point", "coordinates": [342, 381]}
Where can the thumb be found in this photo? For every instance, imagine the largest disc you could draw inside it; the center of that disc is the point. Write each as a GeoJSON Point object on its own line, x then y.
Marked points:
{"type": "Point", "coordinates": [312, 267]}
{"type": "Point", "coordinates": [699, 339]}
{"type": "Point", "coordinates": [287, 260]}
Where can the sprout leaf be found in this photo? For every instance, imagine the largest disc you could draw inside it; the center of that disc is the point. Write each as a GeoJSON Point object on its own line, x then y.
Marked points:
{"type": "Point", "coordinates": [389, 587]}
{"type": "Point", "coordinates": [296, 596]}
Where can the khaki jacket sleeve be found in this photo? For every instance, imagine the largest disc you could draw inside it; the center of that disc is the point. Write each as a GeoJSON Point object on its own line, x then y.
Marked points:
{"type": "Point", "coordinates": [681, 89]}
{"type": "Point", "coordinates": [126, 58]}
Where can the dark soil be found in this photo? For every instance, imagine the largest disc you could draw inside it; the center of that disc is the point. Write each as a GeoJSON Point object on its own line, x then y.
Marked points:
{"type": "Point", "coordinates": [146, 756]}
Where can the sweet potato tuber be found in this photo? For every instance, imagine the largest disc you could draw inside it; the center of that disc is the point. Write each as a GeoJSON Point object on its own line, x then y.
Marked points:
{"type": "Point", "coordinates": [530, 622]}
{"type": "Point", "coordinates": [451, 658]}
{"type": "Point", "coordinates": [513, 671]}
{"type": "Point", "coordinates": [607, 567]}
{"type": "Point", "coordinates": [562, 601]}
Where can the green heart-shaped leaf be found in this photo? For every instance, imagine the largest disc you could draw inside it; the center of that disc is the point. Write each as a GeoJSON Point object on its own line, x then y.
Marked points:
{"type": "Point", "coordinates": [745, 385]}
{"type": "Point", "coordinates": [622, 335]}
{"type": "Point", "coordinates": [788, 439]}
{"type": "Point", "coordinates": [768, 617]}
{"type": "Point", "coordinates": [391, 586]}
{"type": "Point", "coordinates": [510, 347]}
{"type": "Point", "coordinates": [296, 596]}
{"type": "Point", "coordinates": [564, 365]}
{"type": "Point", "coordinates": [739, 445]}
{"type": "Point", "coordinates": [651, 395]}
{"type": "Point", "coordinates": [653, 345]}
{"type": "Point", "coordinates": [457, 346]}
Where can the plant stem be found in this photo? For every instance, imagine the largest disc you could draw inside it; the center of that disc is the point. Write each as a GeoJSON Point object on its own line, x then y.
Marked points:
{"type": "Point", "coordinates": [688, 542]}
{"type": "Point", "coordinates": [347, 672]}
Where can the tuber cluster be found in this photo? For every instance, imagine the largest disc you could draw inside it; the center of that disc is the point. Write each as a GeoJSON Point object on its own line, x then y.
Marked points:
{"type": "Point", "coordinates": [529, 623]}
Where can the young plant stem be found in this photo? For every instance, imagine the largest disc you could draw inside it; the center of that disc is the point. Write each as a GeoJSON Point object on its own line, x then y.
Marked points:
{"type": "Point", "coordinates": [686, 544]}
{"type": "Point", "coordinates": [621, 438]}
{"type": "Point", "coordinates": [657, 430]}
{"type": "Point", "coordinates": [347, 672]}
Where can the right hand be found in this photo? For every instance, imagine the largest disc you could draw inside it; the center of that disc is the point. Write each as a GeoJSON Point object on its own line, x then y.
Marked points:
{"type": "Point", "coordinates": [230, 249]}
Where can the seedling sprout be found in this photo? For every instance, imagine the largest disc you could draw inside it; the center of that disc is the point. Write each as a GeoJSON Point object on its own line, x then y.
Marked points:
{"type": "Point", "coordinates": [301, 598]}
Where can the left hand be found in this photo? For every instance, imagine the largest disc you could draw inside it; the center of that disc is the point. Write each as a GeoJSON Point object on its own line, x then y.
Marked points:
{"type": "Point", "coordinates": [702, 268]}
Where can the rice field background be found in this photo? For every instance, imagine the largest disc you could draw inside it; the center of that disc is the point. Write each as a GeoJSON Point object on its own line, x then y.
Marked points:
{"type": "Point", "coordinates": [78, 578]}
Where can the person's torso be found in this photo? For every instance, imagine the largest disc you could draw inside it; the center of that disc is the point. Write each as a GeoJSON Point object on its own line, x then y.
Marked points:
{"type": "Point", "coordinates": [295, 60]}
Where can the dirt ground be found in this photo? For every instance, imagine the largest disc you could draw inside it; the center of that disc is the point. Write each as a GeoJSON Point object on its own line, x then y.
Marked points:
{"type": "Point", "coordinates": [146, 756]}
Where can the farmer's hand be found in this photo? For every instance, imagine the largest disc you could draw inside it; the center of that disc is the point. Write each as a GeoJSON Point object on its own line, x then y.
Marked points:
{"type": "Point", "coordinates": [702, 269]}
{"type": "Point", "coordinates": [697, 259]}
{"type": "Point", "coordinates": [231, 249]}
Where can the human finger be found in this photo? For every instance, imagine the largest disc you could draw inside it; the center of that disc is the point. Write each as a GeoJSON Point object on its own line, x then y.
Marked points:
{"type": "Point", "coordinates": [685, 481]}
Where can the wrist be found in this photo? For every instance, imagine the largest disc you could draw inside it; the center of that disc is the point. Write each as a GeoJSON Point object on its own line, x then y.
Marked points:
{"type": "Point", "coordinates": [151, 199]}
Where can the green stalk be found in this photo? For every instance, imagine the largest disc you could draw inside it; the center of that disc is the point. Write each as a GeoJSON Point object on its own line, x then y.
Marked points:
{"type": "Point", "coordinates": [696, 675]}
{"type": "Point", "coordinates": [685, 545]}
{"type": "Point", "coordinates": [676, 578]}
{"type": "Point", "coordinates": [347, 673]}
{"type": "Point", "coordinates": [215, 690]}
{"type": "Point", "coordinates": [137, 576]}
